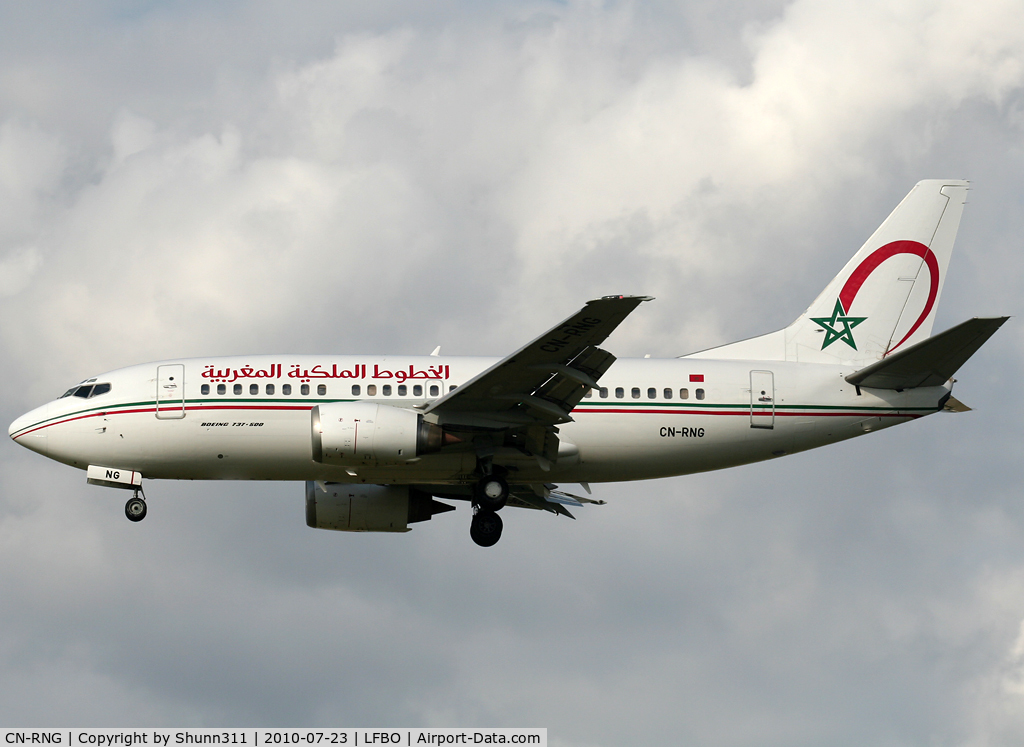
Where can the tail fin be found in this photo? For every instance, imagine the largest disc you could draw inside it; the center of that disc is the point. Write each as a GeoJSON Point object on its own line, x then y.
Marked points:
{"type": "Point", "coordinates": [885, 298]}
{"type": "Point", "coordinates": [887, 295]}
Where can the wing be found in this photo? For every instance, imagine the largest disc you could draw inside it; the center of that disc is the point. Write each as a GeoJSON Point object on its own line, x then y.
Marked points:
{"type": "Point", "coordinates": [547, 497]}
{"type": "Point", "coordinates": [521, 400]}
{"type": "Point", "coordinates": [538, 496]}
{"type": "Point", "coordinates": [543, 381]}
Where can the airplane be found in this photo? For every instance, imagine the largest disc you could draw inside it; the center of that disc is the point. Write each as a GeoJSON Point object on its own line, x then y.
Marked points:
{"type": "Point", "coordinates": [383, 442]}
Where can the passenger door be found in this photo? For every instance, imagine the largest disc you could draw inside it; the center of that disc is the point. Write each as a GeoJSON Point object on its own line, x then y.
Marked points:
{"type": "Point", "coordinates": [170, 391]}
{"type": "Point", "coordinates": [762, 399]}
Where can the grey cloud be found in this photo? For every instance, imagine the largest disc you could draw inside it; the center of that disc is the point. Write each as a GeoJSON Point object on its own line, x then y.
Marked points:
{"type": "Point", "coordinates": [389, 178]}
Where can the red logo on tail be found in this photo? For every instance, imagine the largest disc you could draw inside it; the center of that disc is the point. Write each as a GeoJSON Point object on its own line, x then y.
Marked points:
{"type": "Point", "coordinates": [877, 257]}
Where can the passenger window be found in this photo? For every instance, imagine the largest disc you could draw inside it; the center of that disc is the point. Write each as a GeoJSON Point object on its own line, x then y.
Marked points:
{"type": "Point", "coordinates": [254, 389]}
{"type": "Point", "coordinates": [321, 389]}
{"type": "Point", "coordinates": [100, 389]}
{"type": "Point", "coordinates": [222, 389]}
{"type": "Point", "coordinates": [453, 387]}
{"type": "Point", "coordinates": [304, 389]}
{"type": "Point", "coordinates": [371, 390]}
{"type": "Point", "coordinates": [619, 392]}
{"type": "Point", "coordinates": [700, 394]}
{"type": "Point", "coordinates": [83, 391]}
{"type": "Point", "coordinates": [270, 388]}
{"type": "Point", "coordinates": [356, 390]}
{"type": "Point", "coordinates": [238, 388]}
{"type": "Point", "coordinates": [684, 394]}
{"type": "Point", "coordinates": [589, 394]}
{"type": "Point", "coordinates": [652, 393]}
{"type": "Point", "coordinates": [205, 389]}
{"type": "Point", "coordinates": [668, 393]}
{"type": "Point", "coordinates": [434, 391]}
{"type": "Point", "coordinates": [635, 392]}
{"type": "Point", "coordinates": [417, 390]}
{"type": "Point", "coordinates": [402, 390]}
{"type": "Point", "coordinates": [604, 392]}
{"type": "Point", "coordinates": [386, 390]}
{"type": "Point", "coordinates": [286, 389]}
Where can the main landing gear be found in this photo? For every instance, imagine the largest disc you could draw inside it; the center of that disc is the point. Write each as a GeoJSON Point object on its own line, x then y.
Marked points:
{"type": "Point", "coordinates": [489, 496]}
{"type": "Point", "coordinates": [135, 508]}
{"type": "Point", "coordinates": [485, 529]}
{"type": "Point", "coordinates": [491, 493]}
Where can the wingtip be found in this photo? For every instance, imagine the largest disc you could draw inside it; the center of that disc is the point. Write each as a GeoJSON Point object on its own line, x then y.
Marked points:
{"type": "Point", "coordinates": [995, 321]}
{"type": "Point", "coordinates": [641, 299]}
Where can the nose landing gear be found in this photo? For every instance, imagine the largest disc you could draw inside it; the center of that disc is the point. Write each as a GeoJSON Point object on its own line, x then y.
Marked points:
{"type": "Point", "coordinates": [135, 508]}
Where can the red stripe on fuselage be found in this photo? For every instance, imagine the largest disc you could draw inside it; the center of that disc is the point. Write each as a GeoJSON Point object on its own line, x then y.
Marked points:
{"type": "Point", "coordinates": [609, 410]}
{"type": "Point", "coordinates": [746, 411]}
{"type": "Point", "coordinates": [153, 410]}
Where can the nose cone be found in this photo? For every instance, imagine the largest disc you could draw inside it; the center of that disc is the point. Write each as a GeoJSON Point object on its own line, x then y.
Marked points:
{"type": "Point", "coordinates": [29, 430]}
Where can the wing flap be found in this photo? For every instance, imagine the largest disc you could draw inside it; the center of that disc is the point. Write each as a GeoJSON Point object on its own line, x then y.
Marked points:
{"type": "Point", "coordinates": [931, 362]}
{"type": "Point", "coordinates": [547, 497]}
{"type": "Point", "coordinates": [568, 384]}
{"type": "Point", "coordinates": [524, 499]}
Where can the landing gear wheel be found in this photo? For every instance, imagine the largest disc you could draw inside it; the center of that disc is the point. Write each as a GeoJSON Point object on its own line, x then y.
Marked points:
{"type": "Point", "coordinates": [135, 509]}
{"type": "Point", "coordinates": [485, 528]}
{"type": "Point", "coordinates": [491, 493]}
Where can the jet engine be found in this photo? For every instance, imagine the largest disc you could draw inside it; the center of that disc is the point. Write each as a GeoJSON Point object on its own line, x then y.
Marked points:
{"type": "Point", "coordinates": [368, 508]}
{"type": "Point", "coordinates": [360, 433]}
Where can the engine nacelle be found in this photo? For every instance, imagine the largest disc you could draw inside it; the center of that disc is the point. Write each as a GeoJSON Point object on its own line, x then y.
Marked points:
{"type": "Point", "coordinates": [368, 508]}
{"type": "Point", "coordinates": [359, 433]}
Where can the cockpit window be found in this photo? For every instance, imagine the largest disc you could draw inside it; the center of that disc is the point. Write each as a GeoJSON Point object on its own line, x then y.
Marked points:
{"type": "Point", "coordinates": [86, 391]}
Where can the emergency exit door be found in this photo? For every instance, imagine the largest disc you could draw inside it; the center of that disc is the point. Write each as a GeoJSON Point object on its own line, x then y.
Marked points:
{"type": "Point", "coordinates": [762, 399]}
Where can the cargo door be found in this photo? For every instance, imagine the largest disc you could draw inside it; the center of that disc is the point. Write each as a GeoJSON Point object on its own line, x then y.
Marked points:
{"type": "Point", "coordinates": [762, 399]}
{"type": "Point", "coordinates": [170, 391]}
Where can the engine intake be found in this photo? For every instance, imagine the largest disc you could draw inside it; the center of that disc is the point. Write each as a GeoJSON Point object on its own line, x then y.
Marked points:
{"type": "Point", "coordinates": [368, 508]}
{"type": "Point", "coordinates": [359, 433]}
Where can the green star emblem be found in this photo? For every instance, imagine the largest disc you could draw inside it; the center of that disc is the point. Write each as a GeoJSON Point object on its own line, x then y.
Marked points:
{"type": "Point", "coordinates": [839, 326]}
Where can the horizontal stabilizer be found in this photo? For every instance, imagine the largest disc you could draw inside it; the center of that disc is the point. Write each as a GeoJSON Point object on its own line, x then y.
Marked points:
{"type": "Point", "coordinates": [931, 362]}
{"type": "Point", "coordinates": [955, 405]}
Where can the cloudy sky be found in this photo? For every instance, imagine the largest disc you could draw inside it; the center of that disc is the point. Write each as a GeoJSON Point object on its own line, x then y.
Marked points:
{"type": "Point", "coordinates": [189, 178]}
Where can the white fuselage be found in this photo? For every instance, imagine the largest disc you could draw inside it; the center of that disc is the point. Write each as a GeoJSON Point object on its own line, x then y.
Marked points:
{"type": "Point", "coordinates": [703, 416]}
